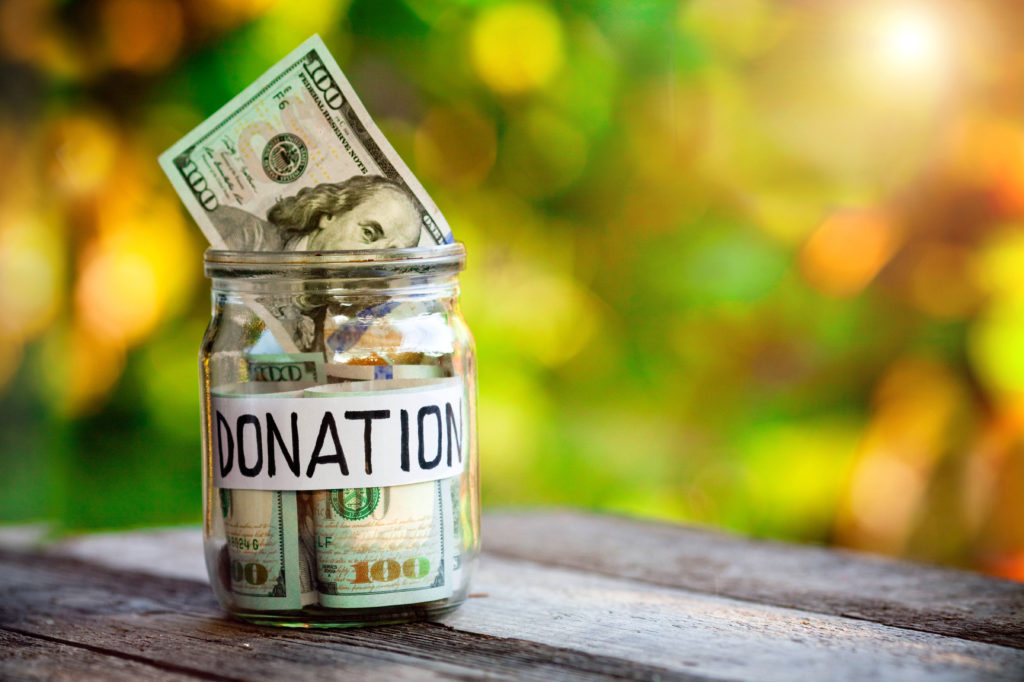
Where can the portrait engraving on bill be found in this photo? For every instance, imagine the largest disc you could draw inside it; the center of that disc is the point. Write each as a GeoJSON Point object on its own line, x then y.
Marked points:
{"type": "Point", "coordinates": [362, 212]}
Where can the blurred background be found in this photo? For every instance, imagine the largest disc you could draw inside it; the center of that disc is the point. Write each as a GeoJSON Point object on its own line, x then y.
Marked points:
{"type": "Point", "coordinates": [748, 263]}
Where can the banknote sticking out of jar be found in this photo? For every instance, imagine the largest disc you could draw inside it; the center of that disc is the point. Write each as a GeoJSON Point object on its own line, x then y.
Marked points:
{"type": "Point", "coordinates": [340, 482]}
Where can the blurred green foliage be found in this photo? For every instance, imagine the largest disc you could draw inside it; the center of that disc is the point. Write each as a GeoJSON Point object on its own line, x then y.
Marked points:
{"type": "Point", "coordinates": [750, 263]}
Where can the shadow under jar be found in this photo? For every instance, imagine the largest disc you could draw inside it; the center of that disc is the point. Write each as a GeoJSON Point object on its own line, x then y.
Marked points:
{"type": "Point", "coordinates": [340, 481]}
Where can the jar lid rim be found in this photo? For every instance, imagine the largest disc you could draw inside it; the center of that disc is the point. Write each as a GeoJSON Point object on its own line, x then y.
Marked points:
{"type": "Point", "coordinates": [420, 255]}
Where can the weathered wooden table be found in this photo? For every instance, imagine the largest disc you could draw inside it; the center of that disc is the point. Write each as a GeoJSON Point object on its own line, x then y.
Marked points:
{"type": "Point", "coordinates": [559, 595]}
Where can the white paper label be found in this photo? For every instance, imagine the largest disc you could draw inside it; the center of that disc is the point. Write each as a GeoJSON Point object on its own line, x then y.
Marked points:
{"type": "Point", "coordinates": [328, 440]}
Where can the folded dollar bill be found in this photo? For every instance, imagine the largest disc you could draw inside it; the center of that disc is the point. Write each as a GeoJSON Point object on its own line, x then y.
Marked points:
{"type": "Point", "coordinates": [295, 163]}
{"type": "Point", "coordinates": [267, 569]}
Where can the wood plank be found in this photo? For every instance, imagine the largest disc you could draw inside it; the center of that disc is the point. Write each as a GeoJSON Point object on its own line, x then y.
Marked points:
{"type": "Point", "coordinates": [162, 620]}
{"type": "Point", "coordinates": [711, 635]}
{"type": "Point", "coordinates": [166, 552]}
{"type": "Point", "coordinates": [24, 657]}
{"type": "Point", "coordinates": [537, 622]}
{"type": "Point", "coordinates": [897, 593]}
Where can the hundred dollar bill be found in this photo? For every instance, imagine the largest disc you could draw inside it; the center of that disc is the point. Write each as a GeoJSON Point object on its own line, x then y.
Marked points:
{"type": "Point", "coordinates": [269, 534]}
{"type": "Point", "coordinates": [295, 163]}
{"type": "Point", "coordinates": [263, 551]}
{"type": "Point", "coordinates": [276, 375]}
{"type": "Point", "coordinates": [295, 370]}
{"type": "Point", "coordinates": [384, 546]}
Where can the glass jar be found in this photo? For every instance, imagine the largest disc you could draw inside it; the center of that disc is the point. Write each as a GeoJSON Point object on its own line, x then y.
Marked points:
{"type": "Point", "coordinates": [340, 482]}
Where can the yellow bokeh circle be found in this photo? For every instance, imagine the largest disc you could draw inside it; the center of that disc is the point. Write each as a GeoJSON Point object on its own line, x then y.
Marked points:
{"type": "Point", "coordinates": [517, 47]}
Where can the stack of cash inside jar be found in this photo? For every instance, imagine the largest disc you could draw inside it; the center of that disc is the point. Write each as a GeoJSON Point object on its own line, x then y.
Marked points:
{"type": "Point", "coordinates": [294, 163]}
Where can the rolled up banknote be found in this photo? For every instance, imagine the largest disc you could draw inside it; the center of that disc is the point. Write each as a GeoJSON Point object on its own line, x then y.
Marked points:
{"type": "Point", "coordinates": [263, 551]}
{"type": "Point", "coordinates": [270, 552]}
{"type": "Point", "coordinates": [288, 371]}
{"type": "Point", "coordinates": [384, 546]}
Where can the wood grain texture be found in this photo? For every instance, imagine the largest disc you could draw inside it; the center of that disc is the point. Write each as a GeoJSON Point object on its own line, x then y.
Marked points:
{"type": "Point", "coordinates": [28, 657]}
{"type": "Point", "coordinates": [712, 635]}
{"type": "Point", "coordinates": [852, 585]}
{"type": "Point", "coordinates": [170, 622]}
{"type": "Point", "coordinates": [133, 597]}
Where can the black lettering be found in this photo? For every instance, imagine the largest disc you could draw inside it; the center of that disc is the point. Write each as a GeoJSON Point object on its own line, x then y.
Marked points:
{"type": "Point", "coordinates": [454, 434]}
{"type": "Point", "coordinates": [424, 411]}
{"type": "Point", "coordinates": [368, 416]}
{"type": "Point", "coordinates": [239, 429]}
{"type": "Point", "coordinates": [404, 416]}
{"type": "Point", "coordinates": [225, 468]}
{"type": "Point", "coordinates": [328, 424]}
{"type": "Point", "coordinates": [273, 434]}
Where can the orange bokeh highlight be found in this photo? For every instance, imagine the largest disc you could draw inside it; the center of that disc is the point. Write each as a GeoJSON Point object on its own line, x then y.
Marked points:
{"type": "Point", "coordinates": [142, 35]}
{"type": "Point", "coordinates": [846, 252]}
{"type": "Point", "coordinates": [135, 273]}
{"type": "Point", "coordinates": [117, 292]}
{"type": "Point", "coordinates": [1008, 183]}
{"type": "Point", "coordinates": [985, 152]}
{"type": "Point", "coordinates": [1009, 566]}
{"type": "Point", "coordinates": [916, 405]}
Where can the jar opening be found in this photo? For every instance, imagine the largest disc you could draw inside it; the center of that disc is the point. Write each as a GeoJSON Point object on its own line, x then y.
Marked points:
{"type": "Point", "coordinates": [429, 260]}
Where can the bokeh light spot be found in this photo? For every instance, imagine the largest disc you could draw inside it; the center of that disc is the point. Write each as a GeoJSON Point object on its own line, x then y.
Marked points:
{"type": "Point", "coordinates": [542, 314]}
{"type": "Point", "coordinates": [517, 47]}
{"type": "Point", "coordinates": [994, 347]}
{"type": "Point", "coordinates": [847, 251]}
{"type": "Point", "coordinates": [142, 35]}
{"type": "Point", "coordinates": [911, 39]}
{"type": "Point", "coordinates": [916, 405]}
{"type": "Point", "coordinates": [117, 293]}
{"type": "Point", "coordinates": [998, 263]}
{"type": "Point", "coordinates": [31, 275]}
{"type": "Point", "coordinates": [139, 270]}
{"type": "Point", "coordinates": [85, 147]}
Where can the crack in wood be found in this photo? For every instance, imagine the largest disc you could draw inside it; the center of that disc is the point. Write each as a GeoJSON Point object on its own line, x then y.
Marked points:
{"type": "Point", "coordinates": [129, 609]}
{"type": "Point", "coordinates": [114, 653]}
